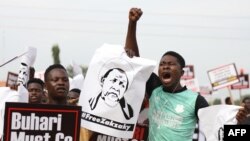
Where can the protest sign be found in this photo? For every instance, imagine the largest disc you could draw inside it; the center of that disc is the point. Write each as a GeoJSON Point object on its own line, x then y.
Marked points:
{"type": "Point", "coordinates": [243, 83]}
{"type": "Point", "coordinates": [141, 129]}
{"type": "Point", "coordinates": [223, 76]}
{"type": "Point", "coordinates": [113, 91]}
{"type": "Point", "coordinates": [191, 84]}
{"type": "Point", "coordinates": [41, 122]}
{"type": "Point", "coordinates": [11, 79]}
{"type": "Point", "coordinates": [188, 72]}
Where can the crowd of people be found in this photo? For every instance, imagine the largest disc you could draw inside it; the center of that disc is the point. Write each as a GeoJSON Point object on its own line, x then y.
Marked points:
{"type": "Point", "coordinates": [167, 97]}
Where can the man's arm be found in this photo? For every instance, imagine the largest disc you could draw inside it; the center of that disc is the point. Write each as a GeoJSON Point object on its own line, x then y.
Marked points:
{"type": "Point", "coordinates": [131, 46]}
{"type": "Point", "coordinates": [200, 103]}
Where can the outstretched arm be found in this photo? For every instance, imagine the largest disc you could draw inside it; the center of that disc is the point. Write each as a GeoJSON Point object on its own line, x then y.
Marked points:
{"type": "Point", "coordinates": [131, 46]}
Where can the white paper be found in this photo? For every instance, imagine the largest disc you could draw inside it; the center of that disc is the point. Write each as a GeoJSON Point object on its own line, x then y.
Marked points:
{"type": "Point", "coordinates": [104, 116]}
{"type": "Point", "coordinates": [213, 118]}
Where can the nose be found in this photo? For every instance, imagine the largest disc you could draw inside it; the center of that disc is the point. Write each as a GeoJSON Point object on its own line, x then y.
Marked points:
{"type": "Point", "coordinates": [61, 82]}
{"type": "Point", "coordinates": [33, 93]}
{"type": "Point", "coordinates": [165, 66]}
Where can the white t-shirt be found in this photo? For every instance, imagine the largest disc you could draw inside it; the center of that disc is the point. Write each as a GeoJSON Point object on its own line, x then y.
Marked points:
{"type": "Point", "coordinates": [8, 95]}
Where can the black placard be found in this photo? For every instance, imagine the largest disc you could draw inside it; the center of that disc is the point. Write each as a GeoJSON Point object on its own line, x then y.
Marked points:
{"type": "Point", "coordinates": [35, 122]}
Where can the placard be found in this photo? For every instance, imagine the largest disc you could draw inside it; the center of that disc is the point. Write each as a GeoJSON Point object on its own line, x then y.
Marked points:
{"type": "Point", "coordinates": [41, 122]}
{"type": "Point", "coordinates": [113, 91]}
{"type": "Point", "coordinates": [243, 84]}
{"type": "Point", "coordinates": [223, 76]}
{"type": "Point", "coordinates": [188, 72]}
{"type": "Point", "coordinates": [11, 79]}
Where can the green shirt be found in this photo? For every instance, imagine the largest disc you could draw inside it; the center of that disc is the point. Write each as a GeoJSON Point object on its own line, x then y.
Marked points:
{"type": "Point", "coordinates": [172, 116]}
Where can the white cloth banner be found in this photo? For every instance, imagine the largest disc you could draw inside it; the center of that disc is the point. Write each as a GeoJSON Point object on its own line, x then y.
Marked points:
{"type": "Point", "coordinates": [113, 91]}
{"type": "Point", "coordinates": [213, 118]}
{"type": "Point", "coordinates": [77, 82]}
{"type": "Point", "coordinates": [8, 95]}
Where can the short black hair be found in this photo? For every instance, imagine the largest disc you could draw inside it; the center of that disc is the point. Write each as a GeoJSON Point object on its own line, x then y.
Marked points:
{"type": "Point", "coordinates": [180, 59]}
{"type": "Point", "coordinates": [227, 100]}
{"type": "Point", "coordinates": [75, 90]}
{"type": "Point", "coordinates": [36, 80]}
{"type": "Point", "coordinates": [50, 68]}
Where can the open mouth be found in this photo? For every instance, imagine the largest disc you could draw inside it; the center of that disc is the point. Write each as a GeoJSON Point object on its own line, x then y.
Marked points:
{"type": "Point", "coordinates": [166, 77]}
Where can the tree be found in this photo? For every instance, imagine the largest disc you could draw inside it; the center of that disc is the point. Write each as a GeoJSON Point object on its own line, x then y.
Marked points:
{"type": "Point", "coordinates": [55, 54]}
{"type": "Point", "coordinates": [217, 102]}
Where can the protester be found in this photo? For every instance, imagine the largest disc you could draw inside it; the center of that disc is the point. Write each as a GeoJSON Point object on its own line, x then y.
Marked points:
{"type": "Point", "coordinates": [73, 96]}
{"type": "Point", "coordinates": [57, 84]}
{"type": "Point", "coordinates": [246, 102]}
{"type": "Point", "coordinates": [35, 88]}
{"type": "Point", "coordinates": [228, 101]}
{"type": "Point", "coordinates": [18, 92]}
{"type": "Point", "coordinates": [172, 107]}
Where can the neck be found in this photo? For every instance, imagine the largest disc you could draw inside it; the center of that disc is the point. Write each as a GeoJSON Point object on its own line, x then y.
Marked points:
{"type": "Point", "coordinates": [173, 89]}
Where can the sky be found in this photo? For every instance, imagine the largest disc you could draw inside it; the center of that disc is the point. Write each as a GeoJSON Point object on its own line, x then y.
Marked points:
{"type": "Point", "coordinates": [208, 33]}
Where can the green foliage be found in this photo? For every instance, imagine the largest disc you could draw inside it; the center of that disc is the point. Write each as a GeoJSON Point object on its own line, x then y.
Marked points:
{"type": "Point", "coordinates": [56, 54]}
{"type": "Point", "coordinates": [237, 102]}
{"type": "Point", "coordinates": [217, 102]}
{"type": "Point", "coordinates": [70, 71]}
{"type": "Point", "coordinates": [84, 69]}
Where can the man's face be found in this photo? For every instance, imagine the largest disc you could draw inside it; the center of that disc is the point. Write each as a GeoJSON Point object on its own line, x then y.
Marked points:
{"type": "Point", "coordinates": [72, 96]}
{"type": "Point", "coordinates": [170, 71]}
{"type": "Point", "coordinates": [247, 102]}
{"type": "Point", "coordinates": [114, 87]}
{"type": "Point", "coordinates": [57, 84]}
{"type": "Point", "coordinates": [35, 93]}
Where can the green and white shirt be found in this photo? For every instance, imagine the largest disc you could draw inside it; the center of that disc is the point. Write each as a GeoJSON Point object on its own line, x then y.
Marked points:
{"type": "Point", "coordinates": [172, 116]}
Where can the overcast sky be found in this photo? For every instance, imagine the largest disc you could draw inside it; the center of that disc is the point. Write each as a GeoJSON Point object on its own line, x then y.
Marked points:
{"type": "Point", "coordinates": [208, 33]}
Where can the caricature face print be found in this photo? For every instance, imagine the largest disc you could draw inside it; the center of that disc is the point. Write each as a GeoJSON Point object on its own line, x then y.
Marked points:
{"type": "Point", "coordinates": [114, 86]}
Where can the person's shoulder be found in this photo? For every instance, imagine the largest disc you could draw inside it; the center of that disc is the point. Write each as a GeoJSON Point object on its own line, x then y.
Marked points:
{"type": "Point", "coordinates": [200, 100]}
{"type": "Point", "coordinates": [191, 92]}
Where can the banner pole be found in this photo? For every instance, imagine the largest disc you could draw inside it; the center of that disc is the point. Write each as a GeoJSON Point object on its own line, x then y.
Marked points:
{"type": "Point", "coordinates": [240, 95]}
{"type": "Point", "coordinates": [230, 93]}
{"type": "Point", "coordinates": [12, 59]}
